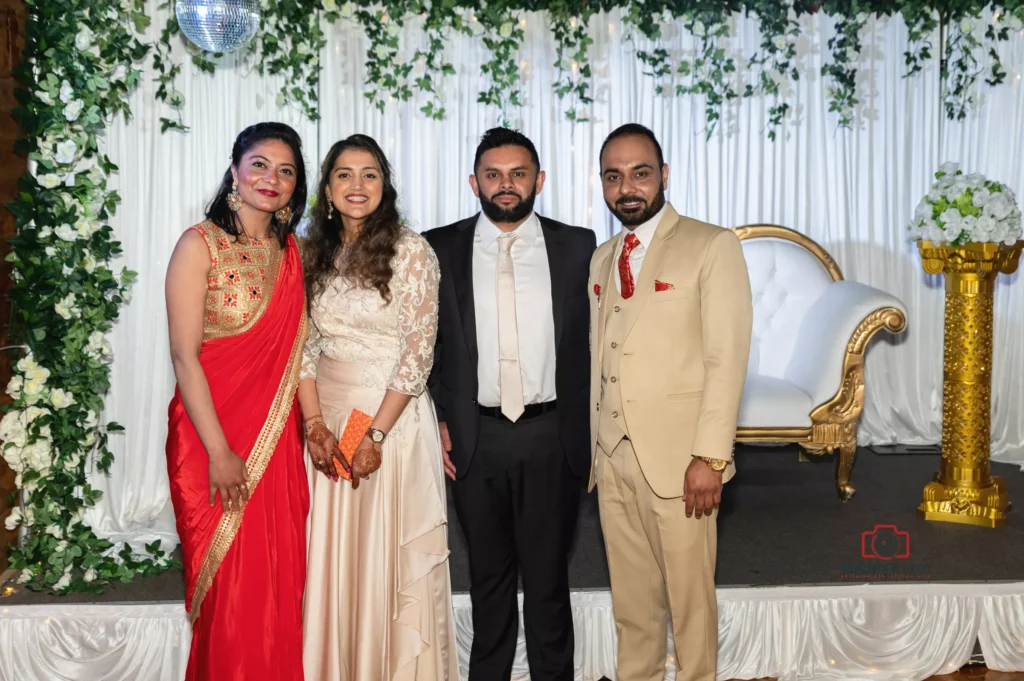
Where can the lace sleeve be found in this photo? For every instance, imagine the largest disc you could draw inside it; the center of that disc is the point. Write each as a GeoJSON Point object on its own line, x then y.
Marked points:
{"type": "Point", "coordinates": [417, 279]}
{"type": "Point", "coordinates": [311, 353]}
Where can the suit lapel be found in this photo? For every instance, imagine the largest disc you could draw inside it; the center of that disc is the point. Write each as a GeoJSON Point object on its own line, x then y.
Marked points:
{"type": "Point", "coordinates": [555, 246]}
{"type": "Point", "coordinates": [462, 277]}
{"type": "Point", "coordinates": [606, 280]}
{"type": "Point", "coordinates": [653, 260]}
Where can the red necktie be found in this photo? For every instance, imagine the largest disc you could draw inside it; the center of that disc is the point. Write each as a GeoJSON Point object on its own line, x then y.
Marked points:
{"type": "Point", "coordinates": [625, 272]}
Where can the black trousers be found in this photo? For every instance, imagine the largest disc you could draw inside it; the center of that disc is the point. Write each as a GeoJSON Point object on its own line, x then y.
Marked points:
{"type": "Point", "coordinates": [518, 505]}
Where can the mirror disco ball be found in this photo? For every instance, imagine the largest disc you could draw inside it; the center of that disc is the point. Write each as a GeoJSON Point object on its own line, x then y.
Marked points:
{"type": "Point", "coordinates": [218, 25]}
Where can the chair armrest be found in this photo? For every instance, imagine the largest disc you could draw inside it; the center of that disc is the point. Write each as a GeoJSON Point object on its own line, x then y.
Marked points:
{"type": "Point", "coordinates": [841, 321]}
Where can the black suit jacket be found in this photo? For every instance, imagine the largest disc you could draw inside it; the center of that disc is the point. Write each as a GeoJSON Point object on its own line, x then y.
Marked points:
{"type": "Point", "coordinates": [453, 381]}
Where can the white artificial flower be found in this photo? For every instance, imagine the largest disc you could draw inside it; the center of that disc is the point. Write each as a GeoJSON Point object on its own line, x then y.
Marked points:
{"type": "Point", "coordinates": [86, 227]}
{"type": "Point", "coordinates": [13, 519]}
{"type": "Point", "coordinates": [393, 29]}
{"type": "Point", "coordinates": [851, 55]}
{"type": "Point", "coordinates": [38, 455]}
{"type": "Point", "coordinates": [14, 386]}
{"type": "Point", "coordinates": [923, 210]}
{"type": "Point", "coordinates": [73, 110]}
{"type": "Point", "coordinates": [61, 399]}
{"type": "Point", "coordinates": [998, 206]}
{"type": "Point", "coordinates": [13, 428]}
{"type": "Point", "coordinates": [949, 168]}
{"type": "Point", "coordinates": [330, 5]}
{"type": "Point", "coordinates": [63, 583]}
{"type": "Point", "coordinates": [67, 271]}
{"type": "Point", "coordinates": [69, 181]}
{"type": "Point", "coordinates": [780, 42]}
{"type": "Point", "coordinates": [89, 262]}
{"type": "Point", "coordinates": [281, 99]}
{"type": "Point", "coordinates": [980, 196]}
{"type": "Point", "coordinates": [54, 531]}
{"type": "Point", "coordinates": [50, 251]}
{"type": "Point", "coordinates": [26, 576]}
{"type": "Point", "coordinates": [302, 49]}
{"type": "Point", "coordinates": [33, 390]}
{"type": "Point", "coordinates": [83, 41]}
{"type": "Point", "coordinates": [72, 463]}
{"type": "Point", "coordinates": [67, 233]}
{"type": "Point", "coordinates": [348, 9]}
{"type": "Point", "coordinates": [66, 152]}
{"type": "Point", "coordinates": [88, 441]}
{"type": "Point", "coordinates": [381, 51]}
{"type": "Point", "coordinates": [1016, 24]}
{"type": "Point", "coordinates": [45, 232]}
{"type": "Point", "coordinates": [33, 413]}
{"type": "Point", "coordinates": [934, 195]}
{"type": "Point", "coordinates": [950, 218]}
{"type": "Point", "coordinates": [49, 180]}
{"type": "Point", "coordinates": [45, 97]}
{"type": "Point", "coordinates": [966, 26]}
{"type": "Point", "coordinates": [506, 29]}
{"type": "Point", "coordinates": [90, 575]}
{"type": "Point", "coordinates": [65, 307]}
{"type": "Point", "coordinates": [91, 421]}
{"type": "Point", "coordinates": [969, 224]}
{"type": "Point", "coordinates": [66, 93]}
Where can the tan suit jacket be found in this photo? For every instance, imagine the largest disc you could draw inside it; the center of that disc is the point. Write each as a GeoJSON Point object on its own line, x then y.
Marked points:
{"type": "Point", "coordinates": [684, 357]}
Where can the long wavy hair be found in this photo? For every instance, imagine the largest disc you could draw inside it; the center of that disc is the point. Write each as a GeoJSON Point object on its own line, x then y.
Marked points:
{"type": "Point", "coordinates": [218, 211]}
{"type": "Point", "coordinates": [368, 260]}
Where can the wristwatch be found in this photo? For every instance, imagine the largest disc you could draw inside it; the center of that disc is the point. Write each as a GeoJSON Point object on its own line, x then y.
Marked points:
{"type": "Point", "coordinates": [717, 465]}
{"type": "Point", "coordinates": [376, 435]}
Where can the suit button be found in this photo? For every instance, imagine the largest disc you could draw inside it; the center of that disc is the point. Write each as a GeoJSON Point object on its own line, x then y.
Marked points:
{"type": "Point", "coordinates": [615, 414]}
{"type": "Point", "coordinates": [617, 308]}
{"type": "Point", "coordinates": [598, 407]}
{"type": "Point", "coordinates": [614, 379]}
{"type": "Point", "coordinates": [615, 345]}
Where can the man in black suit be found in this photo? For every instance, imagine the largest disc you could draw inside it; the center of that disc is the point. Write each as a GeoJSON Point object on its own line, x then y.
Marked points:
{"type": "Point", "coordinates": [511, 381]}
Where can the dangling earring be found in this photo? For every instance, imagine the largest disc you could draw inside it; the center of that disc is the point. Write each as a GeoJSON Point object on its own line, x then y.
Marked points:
{"type": "Point", "coordinates": [283, 215]}
{"type": "Point", "coordinates": [234, 198]}
{"type": "Point", "coordinates": [330, 209]}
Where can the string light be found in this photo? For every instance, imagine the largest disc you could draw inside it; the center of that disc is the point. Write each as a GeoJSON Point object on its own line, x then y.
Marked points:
{"type": "Point", "coordinates": [572, 22]}
{"type": "Point", "coordinates": [8, 591]}
{"type": "Point", "coordinates": [611, 28]}
{"type": "Point", "coordinates": [522, 22]}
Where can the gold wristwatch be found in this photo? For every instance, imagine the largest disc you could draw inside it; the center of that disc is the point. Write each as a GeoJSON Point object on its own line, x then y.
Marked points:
{"type": "Point", "coordinates": [717, 465]}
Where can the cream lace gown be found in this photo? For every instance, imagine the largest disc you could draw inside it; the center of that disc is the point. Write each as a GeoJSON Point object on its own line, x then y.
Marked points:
{"type": "Point", "coordinates": [378, 594]}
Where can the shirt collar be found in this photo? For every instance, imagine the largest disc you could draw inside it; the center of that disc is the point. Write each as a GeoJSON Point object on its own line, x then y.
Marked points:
{"type": "Point", "coordinates": [529, 231]}
{"type": "Point", "coordinates": [645, 232]}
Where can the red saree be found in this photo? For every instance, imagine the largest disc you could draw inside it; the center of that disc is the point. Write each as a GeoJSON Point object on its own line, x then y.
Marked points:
{"type": "Point", "coordinates": [245, 571]}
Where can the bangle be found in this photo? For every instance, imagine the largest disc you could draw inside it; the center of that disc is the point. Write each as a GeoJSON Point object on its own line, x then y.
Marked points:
{"type": "Point", "coordinates": [314, 416]}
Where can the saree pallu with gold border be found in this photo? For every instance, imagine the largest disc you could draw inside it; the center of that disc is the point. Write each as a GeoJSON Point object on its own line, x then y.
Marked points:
{"type": "Point", "coordinates": [245, 570]}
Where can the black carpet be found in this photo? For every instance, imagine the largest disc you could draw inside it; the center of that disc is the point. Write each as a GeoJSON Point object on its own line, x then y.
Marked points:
{"type": "Point", "coordinates": [780, 523]}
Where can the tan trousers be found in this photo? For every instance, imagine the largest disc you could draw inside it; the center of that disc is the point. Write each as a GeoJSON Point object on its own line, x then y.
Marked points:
{"type": "Point", "coordinates": [661, 563]}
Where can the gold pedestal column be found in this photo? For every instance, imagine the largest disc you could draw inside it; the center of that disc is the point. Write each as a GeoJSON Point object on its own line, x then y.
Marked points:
{"type": "Point", "coordinates": [963, 491]}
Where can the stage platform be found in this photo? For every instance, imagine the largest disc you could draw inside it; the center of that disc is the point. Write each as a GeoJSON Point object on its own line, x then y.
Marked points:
{"type": "Point", "coordinates": [798, 597]}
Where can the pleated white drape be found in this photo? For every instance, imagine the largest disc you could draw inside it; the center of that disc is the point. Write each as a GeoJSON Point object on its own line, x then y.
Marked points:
{"type": "Point", "coordinates": [853, 191]}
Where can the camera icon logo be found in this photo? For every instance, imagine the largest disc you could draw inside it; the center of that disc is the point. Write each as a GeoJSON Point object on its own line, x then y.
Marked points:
{"type": "Point", "coordinates": [885, 542]}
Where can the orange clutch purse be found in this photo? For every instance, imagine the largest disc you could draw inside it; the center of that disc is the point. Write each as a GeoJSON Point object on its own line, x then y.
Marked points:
{"type": "Point", "coordinates": [354, 432]}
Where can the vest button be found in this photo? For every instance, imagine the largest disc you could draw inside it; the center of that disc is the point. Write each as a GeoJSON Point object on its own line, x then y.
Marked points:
{"type": "Point", "coordinates": [617, 308]}
{"type": "Point", "coordinates": [614, 379]}
{"type": "Point", "coordinates": [615, 414]}
{"type": "Point", "coordinates": [614, 344]}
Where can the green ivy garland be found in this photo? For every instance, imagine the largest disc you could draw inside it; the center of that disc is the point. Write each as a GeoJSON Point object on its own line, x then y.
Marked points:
{"type": "Point", "coordinates": [76, 73]}
{"type": "Point", "coordinates": [291, 38]}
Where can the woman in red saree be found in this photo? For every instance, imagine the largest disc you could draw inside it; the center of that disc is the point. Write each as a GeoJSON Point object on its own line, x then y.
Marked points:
{"type": "Point", "coordinates": [237, 321]}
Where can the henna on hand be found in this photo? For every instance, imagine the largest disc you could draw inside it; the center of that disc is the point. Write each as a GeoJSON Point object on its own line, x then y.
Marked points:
{"type": "Point", "coordinates": [322, 445]}
{"type": "Point", "coordinates": [365, 461]}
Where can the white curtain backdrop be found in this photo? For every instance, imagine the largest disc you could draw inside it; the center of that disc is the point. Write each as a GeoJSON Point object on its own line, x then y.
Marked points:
{"type": "Point", "coordinates": [851, 190]}
{"type": "Point", "coordinates": [904, 632]}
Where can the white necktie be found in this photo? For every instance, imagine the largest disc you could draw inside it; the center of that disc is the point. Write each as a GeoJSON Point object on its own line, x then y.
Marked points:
{"type": "Point", "coordinates": [511, 382]}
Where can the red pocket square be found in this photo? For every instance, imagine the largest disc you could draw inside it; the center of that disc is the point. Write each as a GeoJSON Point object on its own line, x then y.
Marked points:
{"type": "Point", "coordinates": [597, 289]}
{"type": "Point", "coordinates": [663, 286]}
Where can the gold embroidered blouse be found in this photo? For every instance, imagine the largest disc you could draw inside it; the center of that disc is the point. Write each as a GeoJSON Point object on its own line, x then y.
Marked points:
{"type": "Point", "coordinates": [241, 280]}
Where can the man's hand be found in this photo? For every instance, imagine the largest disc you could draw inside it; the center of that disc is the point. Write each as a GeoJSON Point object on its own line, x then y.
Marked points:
{"type": "Point", "coordinates": [446, 446]}
{"type": "Point", "coordinates": [703, 489]}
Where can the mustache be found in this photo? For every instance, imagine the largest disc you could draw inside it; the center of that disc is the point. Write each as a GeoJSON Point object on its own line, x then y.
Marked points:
{"type": "Point", "coordinates": [626, 199]}
{"type": "Point", "coordinates": [494, 197]}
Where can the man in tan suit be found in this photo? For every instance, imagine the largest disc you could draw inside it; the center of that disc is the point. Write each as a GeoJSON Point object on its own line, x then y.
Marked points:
{"type": "Point", "coordinates": [671, 317]}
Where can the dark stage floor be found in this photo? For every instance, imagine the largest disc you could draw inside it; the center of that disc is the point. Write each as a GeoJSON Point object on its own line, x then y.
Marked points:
{"type": "Point", "coordinates": [780, 524]}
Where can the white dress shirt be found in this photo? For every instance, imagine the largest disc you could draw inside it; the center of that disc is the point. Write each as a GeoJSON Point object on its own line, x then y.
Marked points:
{"type": "Point", "coordinates": [534, 314]}
{"type": "Point", "coordinates": [645, 233]}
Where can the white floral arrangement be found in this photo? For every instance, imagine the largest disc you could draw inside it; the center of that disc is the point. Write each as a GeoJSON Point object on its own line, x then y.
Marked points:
{"type": "Point", "coordinates": [966, 208]}
{"type": "Point", "coordinates": [77, 71]}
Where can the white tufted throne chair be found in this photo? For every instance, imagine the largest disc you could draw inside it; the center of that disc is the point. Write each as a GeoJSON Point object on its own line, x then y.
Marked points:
{"type": "Point", "coordinates": [805, 377]}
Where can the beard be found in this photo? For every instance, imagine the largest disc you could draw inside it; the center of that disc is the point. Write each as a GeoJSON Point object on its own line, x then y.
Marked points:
{"type": "Point", "coordinates": [640, 215]}
{"type": "Point", "coordinates": [516, 213]}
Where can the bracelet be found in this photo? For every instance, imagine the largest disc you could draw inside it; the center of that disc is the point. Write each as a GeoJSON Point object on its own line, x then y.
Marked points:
{"type": "Point", "coordinates": [314, 416]}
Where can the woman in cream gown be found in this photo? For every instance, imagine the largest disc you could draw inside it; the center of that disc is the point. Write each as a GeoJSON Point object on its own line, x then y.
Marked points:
{"type": "Point", "coordinates": [378, 595]}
